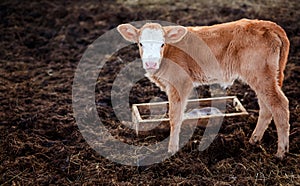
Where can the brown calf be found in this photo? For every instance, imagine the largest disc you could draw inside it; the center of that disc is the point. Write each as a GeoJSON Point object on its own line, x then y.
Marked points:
{"type": "Point", "coordinates": [176, 58]}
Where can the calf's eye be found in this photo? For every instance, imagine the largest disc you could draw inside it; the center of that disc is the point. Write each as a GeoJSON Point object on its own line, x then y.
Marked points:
{"type": "Point", "coordinates": [140, 44]}
{"type": "Point", "coordinates": [162, 45]}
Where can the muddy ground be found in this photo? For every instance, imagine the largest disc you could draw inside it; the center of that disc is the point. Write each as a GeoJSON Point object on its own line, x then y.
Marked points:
{"type": "Point", "coordinates": [41, 44]}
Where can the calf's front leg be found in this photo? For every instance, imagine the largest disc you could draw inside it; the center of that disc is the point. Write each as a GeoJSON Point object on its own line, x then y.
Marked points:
{"type": "Point", "coordinates": [177, 103]}
{"type": "Point", "coordinates": [176, 115]}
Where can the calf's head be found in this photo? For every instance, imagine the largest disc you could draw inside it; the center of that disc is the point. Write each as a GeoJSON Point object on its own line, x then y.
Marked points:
{"type": "Point", "coordinates": [152, 39]}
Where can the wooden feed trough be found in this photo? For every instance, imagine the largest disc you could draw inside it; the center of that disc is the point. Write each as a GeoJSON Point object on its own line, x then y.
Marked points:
{"type": "Point", "coordinates": [147, 116]}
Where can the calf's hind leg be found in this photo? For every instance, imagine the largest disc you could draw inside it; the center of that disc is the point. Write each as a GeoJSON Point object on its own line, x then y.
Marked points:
{"type": "Point", "coordinates": [264, 119]}
{"type": "Point", "coordinates": [274, 99]}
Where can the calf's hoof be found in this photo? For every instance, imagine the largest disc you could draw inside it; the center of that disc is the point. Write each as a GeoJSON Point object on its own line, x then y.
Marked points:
{"type": "Point", "coordinates": [253, 140]}
{"type": "Point", "coordinates": [173, 149]}
{"type": "Point", "coordinates": [281, 152]}
{"type": "Point", "coordinates": [280, 155]}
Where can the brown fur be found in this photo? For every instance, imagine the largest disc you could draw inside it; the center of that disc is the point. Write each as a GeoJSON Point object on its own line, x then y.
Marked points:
{"type": "Point", "coordinates": [251, 50]}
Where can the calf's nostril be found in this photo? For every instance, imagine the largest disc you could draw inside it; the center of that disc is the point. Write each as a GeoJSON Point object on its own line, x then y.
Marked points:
{"type": "Point", "coordinates": [151, 64]}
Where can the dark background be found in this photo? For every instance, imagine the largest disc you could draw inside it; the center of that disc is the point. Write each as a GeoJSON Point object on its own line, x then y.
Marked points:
{"type": "Point", "coordinates": [41, 44]}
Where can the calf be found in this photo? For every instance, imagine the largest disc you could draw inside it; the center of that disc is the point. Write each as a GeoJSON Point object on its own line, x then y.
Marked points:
{"type": "Point", "coordinates": [176, 58]}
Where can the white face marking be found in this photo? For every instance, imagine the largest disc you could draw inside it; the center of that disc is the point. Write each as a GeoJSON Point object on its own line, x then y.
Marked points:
{"type": "Point", "coordinates": [151, 41]}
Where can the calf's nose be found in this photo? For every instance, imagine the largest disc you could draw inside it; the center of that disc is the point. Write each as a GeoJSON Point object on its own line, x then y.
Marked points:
{"type": "Point", "coordinates": [151, 64]}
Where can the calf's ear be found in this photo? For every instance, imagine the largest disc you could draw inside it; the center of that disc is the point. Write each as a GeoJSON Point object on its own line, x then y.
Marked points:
{"type": "Point", "coordinates": [129, 32]}
{"type": "Point", "coordinates": [174, 33]}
